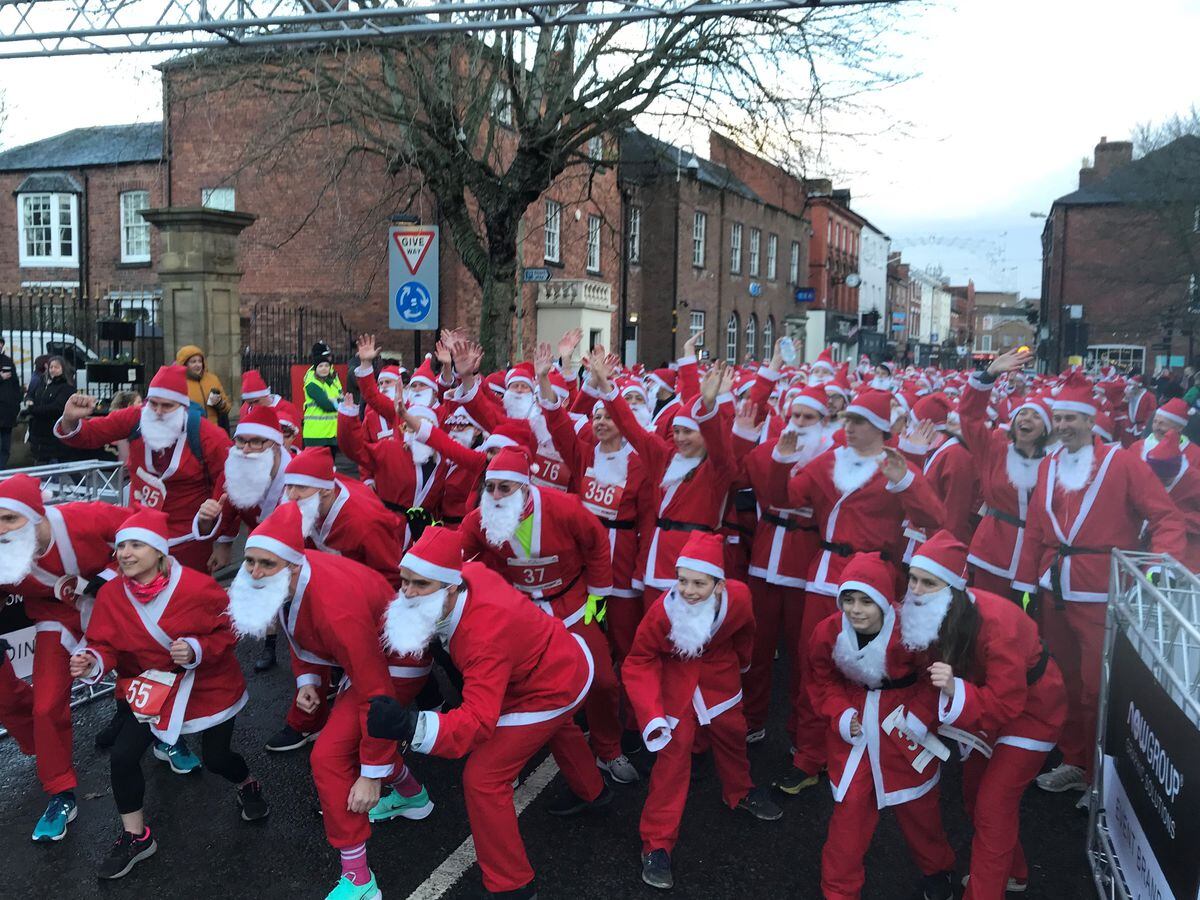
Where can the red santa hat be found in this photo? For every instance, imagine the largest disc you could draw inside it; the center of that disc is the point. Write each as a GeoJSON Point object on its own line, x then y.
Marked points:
{"type": "Point", "coordinates": [1075, 396]}
{"type": "Point", "coordinates": [1165, 457]}
{"type": "Point", "coordinates": [281, 533]}
{"type": "Point", "coordinates": [388, 373]}
{"type": "Point", "coordinates": [814, 397]}
{"type": "Point", "coordinates": [703, 553]}
{"type": "Point", "coordinates": [460, 416]}
{"type": "Point", "coordinates": [889, 365]}
{"type": "Point", "coordinates": [1038, 405]}
{"type": "Point", "coordinates": [437, 555]}
{"type": "Point", "coordinates": [494, 382]}
{"type": "Point", "coordinates": [510, 464]}
{"type": "Point", "coordinates": [288, 415]}
{"type": "Point", "coordinates": [873, 405]}
{"type": "Point", "coordinates": [1175, 411]}
{"type": "Point", "coordinates": [148, 526]}
{"type": "Point", "coordinates": [311, 467]}
{"type": "Point", "coordinates": [629, 386]}
{"type": "Point", "coordinates": [559, 384]}
{"type": "Point", "coordinates": [825, 361]}
{"type": "Point", "coordinates": [867, 572]}
{"type": "Point", "coordinates": [687, 418]}
{"type": "Point", "coordinates": [661, 379]}
{"type": "Point", "coordinates": [839, 385]}
{"type": "Point", "coordinates": [933, 408]}
{"type": "Point", "coordinates": [22, 494]}
{"type": "Point", "coordinates": [424, 375]}
{"type": "Point", "coordinates": [253, 385]}
{"type": "Point", "coordinates": [944, 556]}
{"type": "Point", "coordinates": [511, 433]}
{"type": "Point", "coordinates": [1103, 427]}
{"type": "Point", "coordinates": [261, 422]}
{"type": "Point", "coordinates": [520, 373]}
{"type": "Point", "coordinates": [169, 383]}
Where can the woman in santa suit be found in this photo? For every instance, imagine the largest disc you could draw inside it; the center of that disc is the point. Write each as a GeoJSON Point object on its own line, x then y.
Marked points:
{"type": "Point", "coordinates": [1001, 691]}
{"type": "Point", "coordinates": [879, 749]}
{"type": "Point", "coordinates": [163, 628]}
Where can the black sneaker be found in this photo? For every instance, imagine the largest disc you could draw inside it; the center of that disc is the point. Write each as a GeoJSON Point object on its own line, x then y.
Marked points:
{"type": "Point", "coordinates": [656, 870]}
{"type": "Point", "coordinates": [288, 738]}
{"type": "Point", "coordinates": [266, 659]}
{"type": "Point", "coordinates": [939, 886]}
{"type": "Point", "coordinates": [126, 853]}
{"type": "Point", "coordinates": [251, 802]}
{"type": "Point", "coordinates": [760, 805]}
{"type": "Point", "coordinates": [795, 781]}
{"type": "Point", "coordinates": [568, 803]}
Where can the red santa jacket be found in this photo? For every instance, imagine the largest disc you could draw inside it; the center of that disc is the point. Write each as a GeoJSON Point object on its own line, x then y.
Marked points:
{"type": "Point", "coordinates": [891, 699]}
{"type": "Point", "coordinates": [81, 547]}
{"type": "Point", "coordinates": [1184, 492]}
{"type": "Point", "coordinates": [1140, 409]}
{"type": "Point", "coordinates": [359, 527]}
{"type": "Point", "coordinates": [327, 624]}
{"type": "Point", "coordinates": [1143, 446]}
{"type": "Point", "coordinates": [951, 473]}
{"type": "Point", "coordinates": [134, 637]}
{"type": "Point", "coordinates": [172, 480]}
{"type": "Point", "coordinates": [1073, 533]}
{"type": "Point", "coordinates": [664, 686]}
{"type": "Point", "coordinates": [464, 473]}
{"type": "Point", "coordinates": [519, 666]}
{"type": "Point", "coordinates": [567, 557]}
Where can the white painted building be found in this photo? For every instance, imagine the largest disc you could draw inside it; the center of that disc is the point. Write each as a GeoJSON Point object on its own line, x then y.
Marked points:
{"type": "Point", "coordinates": [873, 249]}
{"type": "Point", "coordinates": [935, 307]}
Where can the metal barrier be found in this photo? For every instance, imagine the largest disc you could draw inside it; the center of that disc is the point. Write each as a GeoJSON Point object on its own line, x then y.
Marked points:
{"type": "Point", "coordinates": [1161, 621]}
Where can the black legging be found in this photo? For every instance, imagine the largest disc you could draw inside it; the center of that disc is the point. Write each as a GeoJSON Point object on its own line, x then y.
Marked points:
{"type": "Point", "coordinates": [134, 738]}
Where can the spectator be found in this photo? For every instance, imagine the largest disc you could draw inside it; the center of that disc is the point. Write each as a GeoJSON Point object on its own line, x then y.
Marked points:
{"type": "Point", "coordinates": [204, 387]}
{"type": "Point", "coordinates": [5, 359]}
{"type": "Point", "coordinates": [322, 393]}
{"type": "Point", "coordinates": [46, 404]}
{"type": "Point", "coordinates": [37, 376]}
{"type": "Point", "coordinates": [10, 405]}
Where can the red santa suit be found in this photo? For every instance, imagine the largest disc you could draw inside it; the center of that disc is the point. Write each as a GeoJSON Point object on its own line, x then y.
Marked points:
{"type": "Point", "coordinates": [685, 692]}
{"type": "Point", "coordinates": [1176, 414]}
{"type": "Point", "coordinates": [1140, 408]}
{"type": "Point", "coordinates": [893, 761]}
{"type": "Point", "coordinates": [174, 479]}
{"type": "Point", "coordinates": [1182, 482]}
{"type": "Point", "coordinates": [81, 538]}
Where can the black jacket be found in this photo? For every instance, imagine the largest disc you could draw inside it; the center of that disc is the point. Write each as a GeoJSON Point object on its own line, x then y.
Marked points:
{"type": "Point", "coordinates": [49, 400]}
{"type": "Point", "coordinates": [10, 400]}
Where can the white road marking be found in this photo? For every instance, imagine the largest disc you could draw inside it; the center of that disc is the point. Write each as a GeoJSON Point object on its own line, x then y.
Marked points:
{"type": "Point", "coordinates": [445, 876]}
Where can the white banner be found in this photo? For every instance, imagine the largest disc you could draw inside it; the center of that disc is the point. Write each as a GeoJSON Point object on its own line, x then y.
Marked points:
{"type": "Point", "coordinates": [22, 651]}
{"type": "Point", "coordinates": [1143, 875]}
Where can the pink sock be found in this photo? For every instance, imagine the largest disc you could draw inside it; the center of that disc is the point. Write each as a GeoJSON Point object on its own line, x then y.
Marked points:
{"type": "Point", "coordinates": [354, 863]}
{"type": "Point", "coordinates": [405, 784]}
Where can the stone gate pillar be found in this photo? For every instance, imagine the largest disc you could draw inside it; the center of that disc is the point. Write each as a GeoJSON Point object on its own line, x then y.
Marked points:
{"type": "Point", "coordinates": [199, 274]}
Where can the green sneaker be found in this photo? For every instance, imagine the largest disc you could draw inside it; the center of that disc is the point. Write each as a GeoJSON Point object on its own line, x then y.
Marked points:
{"type": "Point", "coordinates": [392, 806]}
{"type": "Point", "coordinates": [348, 890]}
{"type": "Point", "coordinates": [181, 760]}
{"type": "Point", "coordinates": [52, 826]}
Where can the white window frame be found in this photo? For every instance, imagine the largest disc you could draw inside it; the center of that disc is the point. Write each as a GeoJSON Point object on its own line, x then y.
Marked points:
{"type": "Point", "coordinates": [224, 198]}
{"type": "Point", "coordinates": [732, 327]}
{"type": "Point", "coordinates": [696, 324]}
{"type": "Point", "coordinates": [752, 336]}
{"type": "Point", "coordinates": [735, 249]}
{"type": "Point", "coordinates": [634, 249]}
{"type": "Point", "coordinates": [134, 229]}
{"type": "Point", "coordinates": [595, 147]}
{"type": "Point", "coordinates": [768, 336]}
{"type": "Point", "coordinates": [755, 247]}
{"type": "Point", "coordinates": [552, 249]}
{"type": "Point", "coordinates": [794, 269]}
{"type": "Point", "coordinates": [593, 244]}
{"type": "Point", "coordinates": [1122, 355]}
{"type": "Point", "coordinates": [699, 232]}
{"type": "Point", "coordinates": [985, 343]}
{"type": "Point", "coordinates": [772, 256]}
{"type": "Point", "coordinates": [55, 259]}
{"type": "Point", "coordinates": [501, 104]}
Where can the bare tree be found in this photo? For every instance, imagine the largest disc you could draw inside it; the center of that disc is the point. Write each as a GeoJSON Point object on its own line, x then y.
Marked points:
{"type": "Point", "coordinates": [486, 123]}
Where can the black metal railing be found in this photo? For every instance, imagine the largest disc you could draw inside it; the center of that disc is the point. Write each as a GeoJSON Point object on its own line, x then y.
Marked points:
{"type": "Point", "coordinates": [278, 336]}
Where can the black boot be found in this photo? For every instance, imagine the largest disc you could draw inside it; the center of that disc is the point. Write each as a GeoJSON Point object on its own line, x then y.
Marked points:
{"type": "Point", "coordinates": [266, 659]}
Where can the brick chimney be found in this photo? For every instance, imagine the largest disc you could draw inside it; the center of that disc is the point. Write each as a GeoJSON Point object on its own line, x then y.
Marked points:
{"type": "Point", "coordinates": [1111, 155]}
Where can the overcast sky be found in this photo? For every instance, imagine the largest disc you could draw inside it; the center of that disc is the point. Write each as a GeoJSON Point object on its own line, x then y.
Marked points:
{"type": "Point", "coordinates": [1011, 95]}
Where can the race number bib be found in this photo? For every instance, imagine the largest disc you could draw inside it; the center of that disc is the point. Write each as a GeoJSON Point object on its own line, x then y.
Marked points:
{"type": "Point", "coordinates": [535, 573]}
{"type": "Point", "coordinates": [148, 693]}
{"type": "Point", "coordinates": [552, 473]}
{"type": "Point", "coordinates": [601, 499]}
{"type": "Point", "coordinates": [919, 753]}
{"type": "Point", "coordinates": [149, 491]}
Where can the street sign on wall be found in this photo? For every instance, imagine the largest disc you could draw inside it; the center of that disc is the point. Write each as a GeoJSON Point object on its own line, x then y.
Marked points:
{"type": "Point", "coordinates": [535, 276]}
{"type": "Point", "coordinates": [413, 277]}
{"type": "Point", "coordinates": [805, 295]}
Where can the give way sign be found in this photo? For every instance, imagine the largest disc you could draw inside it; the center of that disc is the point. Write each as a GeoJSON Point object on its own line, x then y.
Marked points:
{"type": "Point", "coordinates": [413, 277]}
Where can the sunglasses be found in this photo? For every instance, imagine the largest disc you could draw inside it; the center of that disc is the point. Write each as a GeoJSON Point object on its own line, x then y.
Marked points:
{"type": "Point", "coordinates": [500, 488]}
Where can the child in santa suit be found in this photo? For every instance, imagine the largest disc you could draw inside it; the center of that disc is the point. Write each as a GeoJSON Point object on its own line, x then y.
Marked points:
{"type": "Point", "coordinates": [880, 752]}
{"type": "Point", "coordinates": [163, 627]}
{"type": "Point", "coordinates": [998, 683]}
{"type": "Point", "coordinates": [684, 674]}
{"type": "Point", "coordinates": [524, 678]}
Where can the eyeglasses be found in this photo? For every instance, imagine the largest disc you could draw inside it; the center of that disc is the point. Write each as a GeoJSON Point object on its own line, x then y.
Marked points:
{"type": "Point", "coordinates": [500, 488]}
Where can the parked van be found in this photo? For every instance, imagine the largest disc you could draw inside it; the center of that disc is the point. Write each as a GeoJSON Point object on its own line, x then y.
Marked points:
{"type": "Point", "coordinates": [26, 346]}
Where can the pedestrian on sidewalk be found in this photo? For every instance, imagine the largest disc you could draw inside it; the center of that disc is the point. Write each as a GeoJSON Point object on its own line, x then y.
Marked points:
{"type": "Point", "coordinates": [204, 386]}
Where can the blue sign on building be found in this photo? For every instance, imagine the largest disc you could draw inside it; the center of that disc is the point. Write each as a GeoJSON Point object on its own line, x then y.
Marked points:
{"type": "Point", "coordinates": [805, 295]}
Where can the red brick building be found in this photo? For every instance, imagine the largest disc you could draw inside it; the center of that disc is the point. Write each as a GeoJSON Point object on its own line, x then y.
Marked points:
{"type": "Point", "coordinates": [903, 310]}
{"type": "Point", "coordinates": [833, 258]}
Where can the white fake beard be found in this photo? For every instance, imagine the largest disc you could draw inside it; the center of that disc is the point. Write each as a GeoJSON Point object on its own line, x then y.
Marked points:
{"type": "Point", "coordinates": [819, 376]}
{"type": "Point", "coordinates": [500, 518]}
{"type": "Point", "coordinates": [463, 436]}
{"type": "Point", "coordinates": [388, 390]}
{"type": "Point", "coordinates": [310, 508]}
{"type": "Point", "coordinates": [409, 623]}
{"type": "Point", "coordinates": [418, 396]}
{"type": "Point", "coordinates": [1074, 469]}
{"type": "Point", "coordinates": [17, 549]}
{"type": "Point", "coordinates": [1022, 471]}
{"type": "Point", "coordinates": [810, 440]}
{"type": "Point", "coordinates": [691, 623]}
{"type": "Point", "coordinates": [881, 383]}
{"type": "Point", "coordinates": [642, 413]}
{"type": "Point", "coordinates": [161, 432]}
{"type": "Point", "coordinates": [679, 468]}
{"type": "Point", "coordinates": [851, 471]}
{"type": "Point", "coordinates": [611, 468]}
{"type": "Point", "coordinates": [248, 477]}
{"type": "Point", "coordinates": [518, 406]}
{"type": "Point", "coordinates": [421, 453]}
{"type": "Point", "coordinates": [866, 666]}
{"type": "Point", "coordinates": [253, 604]}
{"type": "Point", "coordinates": [921, 617]}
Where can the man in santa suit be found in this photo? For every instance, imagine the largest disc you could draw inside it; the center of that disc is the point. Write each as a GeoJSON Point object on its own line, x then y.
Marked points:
{"type": "Point", "coordinates": [1182, 482]}
{"type": "Point", "coordinates": [549, 547]}
{"type": "Point", "coordinates": [176, 456]}
{"type": "Point", "coordinates": [1090, 499]}
{"type": "Point", "coordinates": [255, 392]}
{"type": "Point", "coordinates": [1168, 424]}
{"type": "Point", "coordinates": [683, 677]}
{"type": "Point", "coordinates": [859, 495]}
{"type": "Point", "coordinates": [1140, 406]}
{"type": "Point", "coordinates": [48, 555]}
{"type": "Point", "coordinates": [524, 678]}
{"type": "Point", "coordinates": [305, 593]}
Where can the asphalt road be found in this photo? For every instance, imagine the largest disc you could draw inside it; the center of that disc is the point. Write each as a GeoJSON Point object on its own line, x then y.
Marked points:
{"type": "Point", "coordinates": [206, 851]}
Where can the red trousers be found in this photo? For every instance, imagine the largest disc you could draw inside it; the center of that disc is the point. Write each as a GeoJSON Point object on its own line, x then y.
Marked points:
{"type": "Point", "coordinates": [16, 707]}
{"type": "Point", "coordinates": [310, 723]}
{"type": "Point", "coordinates": [603, 702]}
{"type": "Point", "coordinates": [622, 618]}
{"type": "Point", "coordinates": [777, 610]}
{"type": "Point", "coordinates": [992, 790]}
{"type": "Point", "coordinates": [1075, 636]}
{"type": "Point", "coordinates": [852, 826]}
{"type": "Point", "coordinates": [810, 727]}
{"type": "Point", "coordinates": [672, 774]}
{"type": "Point", "coordinates": [487, 786]}
{"type": "Point", "coordinates": [40, 719]}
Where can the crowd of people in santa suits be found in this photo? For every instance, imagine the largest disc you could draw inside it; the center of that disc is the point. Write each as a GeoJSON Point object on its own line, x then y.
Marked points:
{"type": "Point", "coordinates": [630, 549]}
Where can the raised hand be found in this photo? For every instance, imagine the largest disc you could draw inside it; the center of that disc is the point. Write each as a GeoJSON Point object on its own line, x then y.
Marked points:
{"type": "Point", "coordinates": [787, 442]}
{"type": "Point", "coordinates": [776, 363]}
{"type": "Point", "coordinates": [728, 379]}
{"type": "Point", "coordinates": [79, 406]}
{"type": "Point", "coordinates": [468, 357]}
{"type": "Point", "coordinates": [923, 435]}
{"type": "Point", "coordinates": [710, 385]}
{"type": "Point", "coordinates": [441, 352]}
{"type": "Point", "coordinates": [893, 465]}
{"type": "Point", "coordinates": [744, 419]}
{"type": "Point", "coordinates": [689, 346]}
{"type": "Point", "coordinates": [568, 342]}
{"type": "Point", "coordinates": [543, 359]}
{"type": "Point", "coordinates": [367, 351]}
{"type": "Point", "coordinates": [1018, 358]}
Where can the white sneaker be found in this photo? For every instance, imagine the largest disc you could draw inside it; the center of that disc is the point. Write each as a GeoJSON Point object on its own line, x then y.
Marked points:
{"type": "Point", "coordinates": [755, 735]}
{"type": "Point", "coordinates": [1062, 778]}
{"type": "Point", "coordinates": [1013, 886]}
{"type": "Point", "coordinates": [620, 770]}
